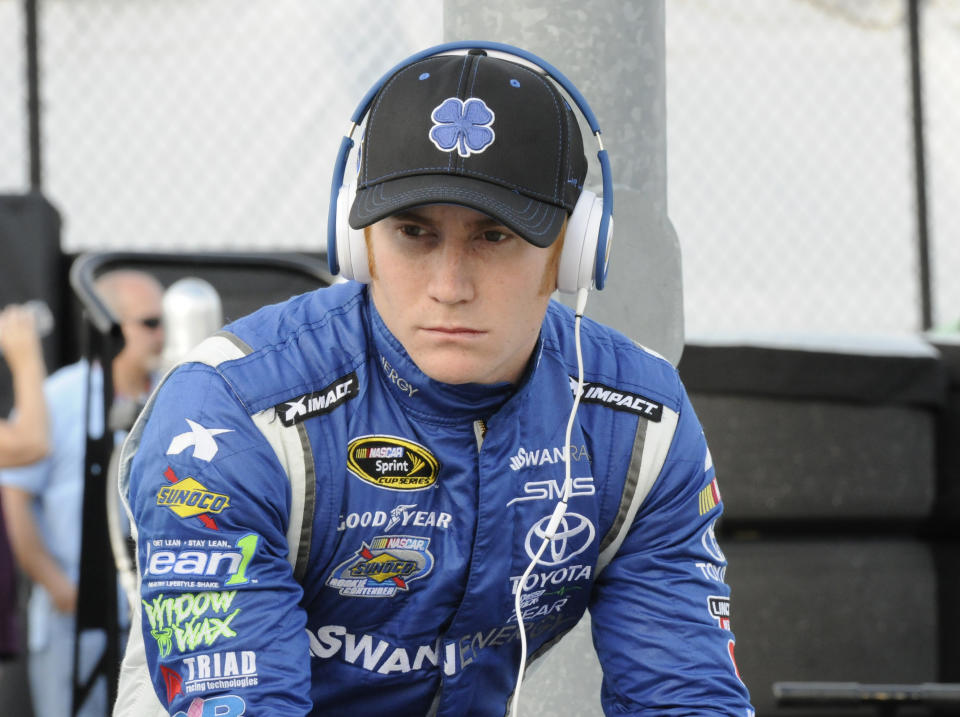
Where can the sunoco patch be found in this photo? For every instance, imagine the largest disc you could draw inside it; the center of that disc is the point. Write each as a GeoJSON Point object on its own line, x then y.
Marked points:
{"type": "Point", "coordinates": [391, 462]}
{"type": "Point", "coordinates": [384, 567]}
{"type": "Point", "coordinates": [188, 498]}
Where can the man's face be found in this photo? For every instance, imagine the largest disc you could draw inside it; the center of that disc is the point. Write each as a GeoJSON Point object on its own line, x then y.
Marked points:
{"type": "Point", "coordinates": [462, 293]}
{"type": "Point", "coordinates": [140, 306]}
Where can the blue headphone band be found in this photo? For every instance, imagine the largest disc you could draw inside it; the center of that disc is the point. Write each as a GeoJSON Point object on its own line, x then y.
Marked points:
{"type": "Point", "coordinates": [600, 263]}
{"type": "Point", "coordinates": [346, 144]}
{"type": "Point", "coordinates": [339, 169]}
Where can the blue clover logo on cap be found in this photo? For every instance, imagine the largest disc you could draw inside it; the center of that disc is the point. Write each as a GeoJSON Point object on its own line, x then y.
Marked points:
{"type": "Point", "coordinates": [464, 126]}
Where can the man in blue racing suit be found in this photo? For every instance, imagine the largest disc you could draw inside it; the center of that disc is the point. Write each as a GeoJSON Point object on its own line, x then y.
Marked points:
{"type": "Point", "coordinates": [347, 503]}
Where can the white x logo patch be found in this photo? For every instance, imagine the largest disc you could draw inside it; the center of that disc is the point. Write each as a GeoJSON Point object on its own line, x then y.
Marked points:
{"type": "Point", "coordinates": [204, 445]}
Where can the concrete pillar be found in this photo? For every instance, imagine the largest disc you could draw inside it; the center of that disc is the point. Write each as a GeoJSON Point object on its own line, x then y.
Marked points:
{"type": "Point", "coordinates": [613, 51]}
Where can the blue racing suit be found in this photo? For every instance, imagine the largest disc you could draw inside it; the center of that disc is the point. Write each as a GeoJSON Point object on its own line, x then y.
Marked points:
{"type": "Point", "coordinates": [323, 529]}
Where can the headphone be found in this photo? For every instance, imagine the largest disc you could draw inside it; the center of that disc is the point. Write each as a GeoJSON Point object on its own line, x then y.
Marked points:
{"type": "Point", "coordinates": [586, 250]}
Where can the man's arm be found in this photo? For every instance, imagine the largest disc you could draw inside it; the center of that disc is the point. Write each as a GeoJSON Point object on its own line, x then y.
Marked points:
{"type": "Point", "coordinates": [219, 609]}
{"type": "Point", "coordinates": [23, 439]}
{"type": "Point", "coordinates": [661, 608]}
{"type": "Point", "coordinates": [31, 552]}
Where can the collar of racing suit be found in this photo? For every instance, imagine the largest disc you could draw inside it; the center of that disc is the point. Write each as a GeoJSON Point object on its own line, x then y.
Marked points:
{"type": "Point", "coordinates": [433, 400]}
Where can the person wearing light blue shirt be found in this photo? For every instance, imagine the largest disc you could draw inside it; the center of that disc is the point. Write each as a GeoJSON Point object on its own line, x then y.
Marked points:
{"type": "Point", "coordinates": [43, 501]}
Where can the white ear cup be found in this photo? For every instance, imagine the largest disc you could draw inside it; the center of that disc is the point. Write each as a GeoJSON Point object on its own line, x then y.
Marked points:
{"type": "Point", "coordinates": [351, 245]}
{"type": "Point", "coordinates": [580, 244]}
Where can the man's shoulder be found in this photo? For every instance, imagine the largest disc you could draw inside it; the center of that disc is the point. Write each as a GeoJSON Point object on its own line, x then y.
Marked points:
{"type": "Point", "coordinates": [278, 325]}
{"type": "Point", "coordinates": [68, 380]}
{"type": "Point", "coordinates": [612, 361]}
{"type": "Point", "coordinates": [291, 348]}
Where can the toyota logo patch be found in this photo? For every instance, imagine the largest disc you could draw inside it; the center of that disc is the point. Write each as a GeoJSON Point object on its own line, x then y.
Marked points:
{"type": "Point", "coordinates": [574, 535]}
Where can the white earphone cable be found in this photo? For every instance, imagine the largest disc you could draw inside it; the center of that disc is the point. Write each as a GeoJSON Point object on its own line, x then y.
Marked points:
{"type": "Point", "coordinates": [558, 511]}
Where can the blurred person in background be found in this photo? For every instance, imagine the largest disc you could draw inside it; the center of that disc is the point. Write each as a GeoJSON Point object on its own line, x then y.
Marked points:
{"type": "Point", "coordinates": [23, 439]}
{"type": "Point", "coordinates": [43, 501]}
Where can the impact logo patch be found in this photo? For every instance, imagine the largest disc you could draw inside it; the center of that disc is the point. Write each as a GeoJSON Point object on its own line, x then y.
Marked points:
{"type": "Point", "coordinates": [462, 126]}
{"type": "Point", "coordinates": [188, 498]}
{"type": "Point", "coordinates": [319, 402]}
{"type": "Point", "coordinates": [391, 462]}
{"type": "Point", "coordinates": [384, 567]}
{"type": "Point", "coordinates": [619, 400]}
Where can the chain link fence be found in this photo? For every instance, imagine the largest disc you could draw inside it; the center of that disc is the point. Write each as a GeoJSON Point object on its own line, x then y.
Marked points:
{"type": "Point", "coordinates": [791, 163]}
{"type": "Point", "coordinates": [206, 124]}
{"type": "Point", "coordinates": [211, 124]}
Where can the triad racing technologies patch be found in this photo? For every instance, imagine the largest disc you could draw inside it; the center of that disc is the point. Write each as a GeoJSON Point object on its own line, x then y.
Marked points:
{"type": "Point", "coordinates": [619, 400]}
{"type": "Point", "coordinates": [384, 567]}
{"type": "Point", "coordinates": [392, 463]}
{"type": "Point", "coordinates": [318, 402]}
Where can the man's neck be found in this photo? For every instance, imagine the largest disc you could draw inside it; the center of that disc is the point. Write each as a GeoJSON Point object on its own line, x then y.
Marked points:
{"type": "Point", "coordinates": [129, 380]}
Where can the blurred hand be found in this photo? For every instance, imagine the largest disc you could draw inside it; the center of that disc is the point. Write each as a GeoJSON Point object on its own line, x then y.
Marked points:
{"type": "Point", "coordinates": [64, 596]}
{"type": "Point", "coordinates": [19, 342]}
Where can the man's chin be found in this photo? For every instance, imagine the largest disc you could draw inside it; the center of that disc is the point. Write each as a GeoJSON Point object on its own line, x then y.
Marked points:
{"type": "Point", "coordinates": [460, 371]}
{"type": "Point", "coordinates": [447, 369]}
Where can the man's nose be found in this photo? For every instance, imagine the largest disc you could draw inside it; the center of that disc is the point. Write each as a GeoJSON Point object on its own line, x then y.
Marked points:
{"type": "Point", "coordinates": [451, 270]}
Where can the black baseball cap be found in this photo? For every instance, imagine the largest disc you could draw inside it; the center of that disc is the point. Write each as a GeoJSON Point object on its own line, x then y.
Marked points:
{"type": "Point", "coordinates": [479, 131]}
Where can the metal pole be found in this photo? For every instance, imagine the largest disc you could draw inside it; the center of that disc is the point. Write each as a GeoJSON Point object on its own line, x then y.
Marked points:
{"type": "Point", "coordinates": [923, 238]}
{"type": "Point", "coordinates": [96, 596]}
{"type": "Point", "coordinates": [33, 92]}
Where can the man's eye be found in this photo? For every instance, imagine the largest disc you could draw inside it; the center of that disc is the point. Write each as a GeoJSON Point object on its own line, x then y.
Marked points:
{"type": "Point", "coordinates": [412, 230]}
{"type": "Point", "coordinates": [492, 235]}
